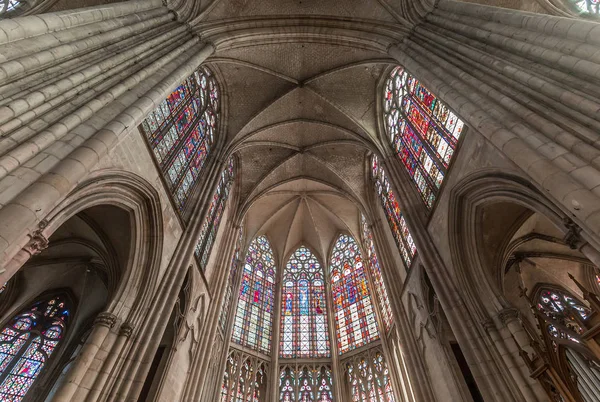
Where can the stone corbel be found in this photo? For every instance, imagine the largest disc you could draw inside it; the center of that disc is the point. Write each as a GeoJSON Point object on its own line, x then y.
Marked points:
{"type": "Point", "coordinates": [573, 236]}
{"type": "Point", "coordinates": [37, 240]}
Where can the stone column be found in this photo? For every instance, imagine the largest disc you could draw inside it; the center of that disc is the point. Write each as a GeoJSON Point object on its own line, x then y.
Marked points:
{"type": "Point", "coordinates": [102, 326]}
{"type": "Point", "coordinates": [199, 366]}
{"type": "Point", "coordinates": [488, 368]}
{"type": "Point", "coordinates": [74, 83]}
{"type": "Point", "coordinates": [416, 369]}
{"type": "Point", "coordinates": [508, 358]}
{"type": "Point", "coordinates": [137, 358]}
{"type": "Point", "coordinates": [526, 82]}
{"type": "Point", "coordinates": [103, 375]}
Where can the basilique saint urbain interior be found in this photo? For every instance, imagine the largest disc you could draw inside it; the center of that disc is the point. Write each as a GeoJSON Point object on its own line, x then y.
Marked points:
{"type": "Point", "coordinates": [299, 201]}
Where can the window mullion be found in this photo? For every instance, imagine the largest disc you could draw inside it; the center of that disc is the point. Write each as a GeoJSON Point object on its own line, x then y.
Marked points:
{"type": "Point", "coordinates": [17, 357]}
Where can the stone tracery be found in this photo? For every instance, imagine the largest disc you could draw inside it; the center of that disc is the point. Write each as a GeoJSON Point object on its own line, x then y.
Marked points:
{"type": "Point", "coordinates": [300, 124]}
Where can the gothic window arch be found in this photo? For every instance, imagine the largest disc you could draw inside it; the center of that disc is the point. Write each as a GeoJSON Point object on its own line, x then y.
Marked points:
{"type": "Point", "coordinates": [562, 312]}
{"type": "Point", "coordinates": [245, 378]}
{"type": "Point", "coordinates": [376, 275]}
{"type": "Point", "coordinates": [305, 382]}
{"type": "Point", "coordinates": [253, 322]}
{"type": "Point", "coordinates": [304, 329]}
{"type": "Point", "coordinates": [231, 281]}
{"type": "Point", "coordinates": [181, 130]}
{"type": "Point", "coordinates": [354, 314]}
{"type": "Point", "coordinates": [402, 236]}
{"type": "Point", "coordinates": [422, 130]}
{"type": "Point", "coordinates": [27, 342]}
{"type": "Point", "coordinates": [368, 378]}
{"type": "Point", "coordinates": [212, 220]}
{"type": "Point", "coordinates": [562, 319]}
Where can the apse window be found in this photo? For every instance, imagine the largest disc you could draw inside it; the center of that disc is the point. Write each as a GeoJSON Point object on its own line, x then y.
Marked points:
{"type": "Point", "coordinates": [422, 130]}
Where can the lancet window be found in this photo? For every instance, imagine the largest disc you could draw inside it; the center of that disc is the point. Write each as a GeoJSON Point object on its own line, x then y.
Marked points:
{"type": "Point", "coordinates": [308, 382]}
{"type": "Point", "coordinates": [376, 276]}
{"type": "Point", "coordinates": [212, 220]}
{"type": "Point", "coordinates": [397, 223]}
{"type": "Point", "coordinates": [231, 280]}
{"type": "Point", "coordinates": [245, 378]}
{"type": "Point", "coordinates": [368, 378]}
{"type": "Point", "coordinates": [354, 314]}
{"type": "Point", "coordinates": [423, 131]}
{"type": "Point", "coordinates": [254, 316]}
{"type": "Point", "coordinates": [26, 344]}
{"type": "Point", "coordinates": [180, 132]}
{"type": "Point", "coordinates": [304, 329]}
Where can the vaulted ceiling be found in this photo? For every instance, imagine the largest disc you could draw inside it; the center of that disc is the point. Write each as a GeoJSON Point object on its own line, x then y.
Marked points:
{"type": "Point", "coordinates": [300, 81]}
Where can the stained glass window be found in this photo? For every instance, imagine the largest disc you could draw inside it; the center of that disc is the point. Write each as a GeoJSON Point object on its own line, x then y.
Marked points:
{"type": "Point", "coordinates": [304, 329]}
{"type": "Point", "coordinates": [591, 7]}
{"type": "Point", "coordinates": [8, 5]}
{"type": "Point", "coordinates": [423, 131]}
{"type": "Point", "coordinates": [181, 131]}
{"type": "Point", "coordinates": [376, 276]}
{"type": "Point", "coordinates": [254, 316]}
{"type": "Point", "coordinates": [354, 315]}
{"type": "Point", "coordinates": [26, 344]}
{"type": "Point", "coordinates": [368, 377]}
{"type": "Point", "coordinates": [309, 382]}
{"type": "Point", "coordinates": [563, 313]}
{"type": "Point", "coordinates": [402, 235]}
{"type": "Point", "coordinates": [208, 233]}
{"type": "Point", "coordinates": [245, 378]}
{"type": "Point", "coordinates": [231, 279]}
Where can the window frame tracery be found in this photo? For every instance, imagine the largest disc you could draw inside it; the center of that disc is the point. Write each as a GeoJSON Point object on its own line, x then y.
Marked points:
{"type": "Point", "coordinates": [311, 381]}
{"type": "Point", "coordinates": [51, 311]}
{"type": "Point", "coordinates": [364, 382]}
{"type": "Point", "coordinates": [212, 220]}
{"type": "Point", "coordinates": [246, 378]}
{"type": "Point", "coordinates": [559, 336]}
{"type": "Point", "coordinates": [424, 144]}
{"type": "Point", "coordinates": [242, 321]}
{"type": "Point", "coordinates": [391, 209]}
{"type": "Point", "coordinates": [314, 293]}
{"type": "Point", "coordinates": [186, 148]}
{"type": "Point", "coordinates": [376, 276]}
{"type": "Point", "coordinates": [369, 331]}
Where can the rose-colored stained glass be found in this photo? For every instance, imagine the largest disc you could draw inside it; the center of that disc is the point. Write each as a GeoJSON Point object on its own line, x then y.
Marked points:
{"type": "Point", "coordinates": [181, 131]}
{"type": "Point", "coordinates": [423, 131]}
{"type": "Point", "coordinates": [354, 314]}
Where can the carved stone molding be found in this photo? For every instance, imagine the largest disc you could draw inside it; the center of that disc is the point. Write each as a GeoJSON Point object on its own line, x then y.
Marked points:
{"type": "Point", "coordinates": [106, 320]}
{"type": "Point", "coordinates": [572, 237]}
{"type": "Point", "coordinates": [508, 314]}
{"type": "Point", "coordinates": [126, 330]}
{"type": "Point", "coordinates": [37, 242]}
{"type": "Point", "coordinates": [489, 325]}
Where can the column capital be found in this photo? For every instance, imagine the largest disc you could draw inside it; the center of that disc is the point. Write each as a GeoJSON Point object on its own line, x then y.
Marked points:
{"type": "Point", "coordinates": [37, 242]}
{"type": "Point", "coordinates": [508, 314]}
{"type": "Point", "coordinates": [126, 330]}
{"type": "Point", "coordinates": [106, 320]}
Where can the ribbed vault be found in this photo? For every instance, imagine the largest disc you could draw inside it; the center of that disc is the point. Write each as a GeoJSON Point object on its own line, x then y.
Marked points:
{"type": "Point", "coordinates": [301, 83]}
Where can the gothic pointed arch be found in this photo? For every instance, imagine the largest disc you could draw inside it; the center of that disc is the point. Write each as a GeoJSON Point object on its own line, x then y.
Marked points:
{"type": "Point", "coordinates": [29, 342]}
{"type": "Point", "coordinates": [304, 324]}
